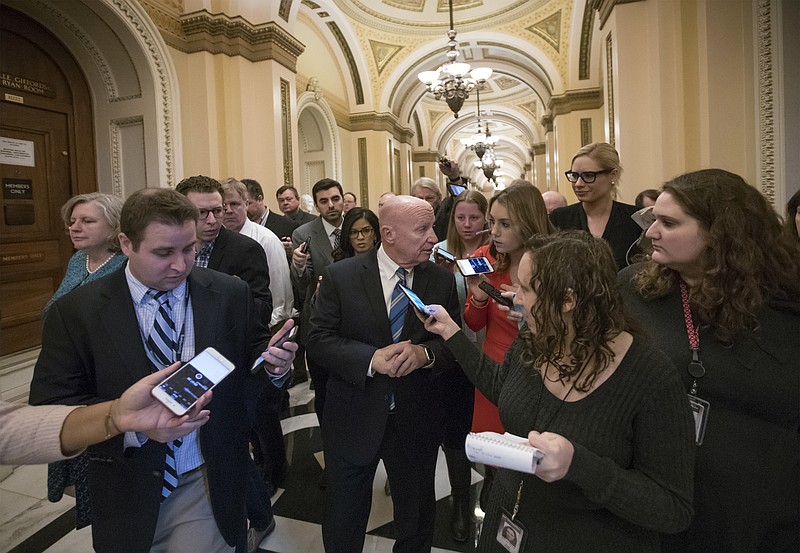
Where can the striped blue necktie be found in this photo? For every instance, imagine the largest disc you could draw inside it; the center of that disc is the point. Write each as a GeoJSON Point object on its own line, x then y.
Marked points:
{"type": "Point", "coordinates": [162, 346]}
{"type": "Point", "coordinates": [398, 306]}
{"type": "Point", "coordinates": [397, 315]}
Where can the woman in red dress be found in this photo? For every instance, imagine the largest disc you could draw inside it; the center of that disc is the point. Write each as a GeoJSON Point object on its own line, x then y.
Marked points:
{"type": "Point", "coordinates": [515, 214]}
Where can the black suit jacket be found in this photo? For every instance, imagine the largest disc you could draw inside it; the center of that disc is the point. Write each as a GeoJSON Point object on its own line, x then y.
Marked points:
{"type": "Point", "coordinates": [239, 255]}
{"type": "Point", "coordinates": [280, 225]}
{"type": "Point", "coordinates": [621, 231]}
{"type": "Point", "coordinates": [321, 256]}
{"type": "Point", "coordinates": [349, 323]}
{"type": "Point", "coordinates": [92, 351]}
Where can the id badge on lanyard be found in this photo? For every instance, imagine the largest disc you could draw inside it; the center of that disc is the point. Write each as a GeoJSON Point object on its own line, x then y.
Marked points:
{"type": "Point", "coordinates": [700, 407]}
{"type": "Point", "coordinates": [511, 534]}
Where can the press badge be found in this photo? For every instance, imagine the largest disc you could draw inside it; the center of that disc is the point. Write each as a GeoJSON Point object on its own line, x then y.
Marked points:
{"type": "Point", "coordinates": [511, 534]}
{"type": "Point", "coordinates": [700, 409]}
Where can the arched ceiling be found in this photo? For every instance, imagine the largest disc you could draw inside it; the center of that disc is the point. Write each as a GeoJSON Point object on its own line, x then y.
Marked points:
{"type": "Point", "coordinates": [525, 42]}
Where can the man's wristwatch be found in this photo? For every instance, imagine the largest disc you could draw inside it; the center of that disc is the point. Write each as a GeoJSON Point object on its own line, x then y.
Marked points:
{"type": "Point", "coordinates": [430, 358]}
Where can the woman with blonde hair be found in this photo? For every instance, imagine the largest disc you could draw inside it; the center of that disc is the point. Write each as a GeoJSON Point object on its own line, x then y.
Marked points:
{"type": "Point", "coordinates": [92, 221]}
{"type": "Point", "coordinates": [721, 297]}
{"type": "Point", "coordinates": [594, 174]}
{"type": "Point", "coordinates": [465, 234]}
{"type": "Point", "coordinates": [93, 224]}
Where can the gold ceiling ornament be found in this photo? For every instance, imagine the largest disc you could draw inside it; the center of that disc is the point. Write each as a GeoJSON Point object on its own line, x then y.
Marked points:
{"type": "Point", "coordinates": [549, 29]}
{"type": "Point", "coordinates": [410, 5]}
{"type": "Point", "coordinates": [530, 107]}
{"type": "Point", "coordinates": [453, 80]}
{"type": "Point", "coordinates": [383, 53]}
{"type": "Point", "coordinates": [434, 116]}
{"type": "Point", "coordinates": [505, 82]}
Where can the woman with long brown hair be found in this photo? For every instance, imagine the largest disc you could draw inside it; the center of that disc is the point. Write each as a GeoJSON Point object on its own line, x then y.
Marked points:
{"type": "Point", "coordinates": [721, 297]}
{"type": "Point", "coordinates": [515, 214]}
{"type": "Point", "coordinates": [605, 408]}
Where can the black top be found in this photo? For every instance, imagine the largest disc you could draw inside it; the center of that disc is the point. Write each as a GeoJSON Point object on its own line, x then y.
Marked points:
{"type": "Point", "coordinates": [281, 226]}
{"type": "Point", "coordinates": [621, 231]}
{"type": "Point", "coordinates": [631, 473]}
{"type": "Point", "coordinates": [747, 480]}
{"type": "Point", "coordinates": [301, 217]}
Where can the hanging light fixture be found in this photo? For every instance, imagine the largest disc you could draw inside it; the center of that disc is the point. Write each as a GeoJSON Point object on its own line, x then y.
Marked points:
{"type": "Point", "coordinates": [483, 139]}
{"type": "Point", "coordinates": [490, 165]}
{"type": "Point", "coordinates": [453, 81]}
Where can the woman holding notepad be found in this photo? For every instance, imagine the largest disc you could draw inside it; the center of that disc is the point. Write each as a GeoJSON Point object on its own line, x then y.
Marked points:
{"type": "Point", "coordinates": [605, 408]}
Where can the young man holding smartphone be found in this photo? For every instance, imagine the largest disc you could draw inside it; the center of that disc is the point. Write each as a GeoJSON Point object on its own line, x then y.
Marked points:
{"type": "Point", "coordinates": [151, 496]}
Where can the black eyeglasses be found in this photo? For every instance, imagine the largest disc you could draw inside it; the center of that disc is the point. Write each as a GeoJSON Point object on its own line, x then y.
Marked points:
{"type": "Point", "coordinates": [365, 232]}
{"type": "Point", "coordinates": [587, 176]}
{"type": "Point", "coordinates": [216, 212]}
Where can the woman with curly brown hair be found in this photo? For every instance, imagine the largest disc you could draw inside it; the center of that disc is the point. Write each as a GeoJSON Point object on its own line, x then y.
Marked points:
{"type": "Point", "coordinates": [721, 297]}
{"type": "Point", "coordinates": [605, 408]}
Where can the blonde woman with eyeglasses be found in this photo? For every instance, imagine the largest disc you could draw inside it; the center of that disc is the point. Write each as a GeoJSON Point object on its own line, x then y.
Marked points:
{"type": "Point", "coordinates": [594, 174]}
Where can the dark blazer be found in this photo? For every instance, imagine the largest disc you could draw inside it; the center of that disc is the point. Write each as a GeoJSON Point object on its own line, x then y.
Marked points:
{"type": "Point", "coordinates": [349, 323]}
{"type": "Point", "coordinates": [621, 231]}
{"type": "Point", "coordinates": [280, 225]}
{"type": "Point", "coordinates": [239, 255]}
{"type": "Point", "coordinates": [321, 256]}
{"type": "Point", "coordinates": [302, 217]}
{"type": "Point", "coordinates": [92, 351]}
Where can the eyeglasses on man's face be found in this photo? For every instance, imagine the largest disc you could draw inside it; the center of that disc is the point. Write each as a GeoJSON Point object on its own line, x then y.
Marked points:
{"type": "Point", "coordinates": [365, 232]}
{"type": "Point", "coordinates": [587, 176]}
{"type": "Point", "coordinates": [216, 212]}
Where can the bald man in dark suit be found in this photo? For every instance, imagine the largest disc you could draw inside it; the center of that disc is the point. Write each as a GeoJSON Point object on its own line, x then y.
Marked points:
{"type": "Point", "coordinates": [381, 401]}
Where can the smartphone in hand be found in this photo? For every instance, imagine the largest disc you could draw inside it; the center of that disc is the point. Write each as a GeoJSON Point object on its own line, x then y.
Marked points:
{"type": "Point", "coordinates": [444, 254]}
{"type": "Point", "coordinates": [284, 337]}
{"type": "Point", "coordinates": [496, 294]}
{"type": "Point", "coordinates": [415, 300]}
{"type": "Point", "coordinates": [181, 390]}
{"type": "Point", "coordinates": [474, 266]}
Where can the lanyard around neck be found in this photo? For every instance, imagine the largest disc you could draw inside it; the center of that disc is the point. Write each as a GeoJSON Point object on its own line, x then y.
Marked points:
{"type": "Point", "coordinates": [695, 369]}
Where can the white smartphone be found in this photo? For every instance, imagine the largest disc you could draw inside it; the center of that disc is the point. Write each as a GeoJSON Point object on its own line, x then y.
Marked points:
{"type": "Point", "coordinates": [181, 390]}
{"type": "Point", "coordinates": [474, 266]}
{"type": "Point", "coordinates": [415, 300]}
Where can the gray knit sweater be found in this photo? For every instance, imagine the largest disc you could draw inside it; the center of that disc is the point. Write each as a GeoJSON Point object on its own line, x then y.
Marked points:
{"type": "Point", "coordinates": [631, 474]}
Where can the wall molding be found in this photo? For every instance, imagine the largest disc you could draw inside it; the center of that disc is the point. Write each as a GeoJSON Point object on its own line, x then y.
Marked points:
{"type": "Point", "coordinates": [115, 125]}
{"type": "Point", "coordinates": [576, 100]}
{"type": "Point", "coordinates": [387, 122]}
{"type": "Point", "coordinates": [203, 31]}
{"type": "Point", "coordinates": [766, 100]}
{"type": "Point", "coordinates": [425, 157]}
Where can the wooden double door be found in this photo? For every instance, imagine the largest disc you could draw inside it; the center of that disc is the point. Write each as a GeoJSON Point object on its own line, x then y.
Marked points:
{"type": "Point", "coordinates": [46, 156]}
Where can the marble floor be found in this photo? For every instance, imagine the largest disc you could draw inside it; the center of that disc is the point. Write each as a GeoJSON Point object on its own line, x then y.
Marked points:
{"type": "Point", "coordinates": [29, 523]}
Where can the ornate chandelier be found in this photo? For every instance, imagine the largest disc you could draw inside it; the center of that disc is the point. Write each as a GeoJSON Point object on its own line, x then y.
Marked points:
{"type": "Point", "coordinates": [483, 139]}
{"type": "Point", "coordinates": [490, 165]}
{"type": "Point", "coordinates": [453, 81]}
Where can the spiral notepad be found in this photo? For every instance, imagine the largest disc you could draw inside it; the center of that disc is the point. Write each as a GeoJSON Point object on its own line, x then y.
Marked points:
{"type": "Point", "coordinates": [502, 450]}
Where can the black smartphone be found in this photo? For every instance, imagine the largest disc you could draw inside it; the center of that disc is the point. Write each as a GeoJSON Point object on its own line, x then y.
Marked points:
{"type": "Point", "coordinates": [496, 294]}
{"type": "Point", "coordinates": [304, 246]}
{"type": "Point", "coordinates": [455, 189]}
{"type": "Point", "coordinates": [285, 336]}
{"type": "Point", "coordinates": [444, 254]}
